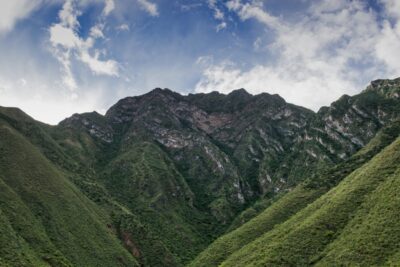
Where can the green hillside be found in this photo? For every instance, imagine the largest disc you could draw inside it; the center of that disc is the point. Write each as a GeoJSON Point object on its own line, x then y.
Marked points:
{"type": "Point", "coordinates": [291, 203]}
{"type": "Point", "coordinates": [354, 211]}
{"type": "Point", "coordinates": [46, 220]}
{"type": "Point", "coordinates": [356, 222]}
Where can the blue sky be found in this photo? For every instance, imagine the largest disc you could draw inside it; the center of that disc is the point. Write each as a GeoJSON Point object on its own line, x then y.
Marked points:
{"type": "Point", "coordinates": [59, 57]}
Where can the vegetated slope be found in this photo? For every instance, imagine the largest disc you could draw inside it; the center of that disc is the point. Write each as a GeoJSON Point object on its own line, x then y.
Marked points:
{"type": "Point", "coordinates": [45, 219]}
{"type": "Point", "coordinates": [169, 173]}
{"type": "Point", "coordinates": [76, 160]}
{"type": "Point", "coordinates": [149, 154]}
{"type": "Point", "coordinates": [138, 174]}
{"type": "Point", "coordinates": [280, 210]}
{"type": "Point", "coordinates": [146, 181]}
{"type": "Point", "coordinates": [354, 223]}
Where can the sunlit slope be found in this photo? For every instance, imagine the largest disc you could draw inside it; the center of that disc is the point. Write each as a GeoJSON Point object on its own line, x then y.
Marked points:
{"type": "Point", "coordinates": [354, 223]}
{"type": "Point", "coordinates": [292, 202]}
{"type": "Point", "coordinates": [45, 220]}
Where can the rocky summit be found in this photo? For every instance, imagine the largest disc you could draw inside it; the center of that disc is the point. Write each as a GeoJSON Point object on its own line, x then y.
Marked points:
{"type": "Point", "coordinates": [161, 176]}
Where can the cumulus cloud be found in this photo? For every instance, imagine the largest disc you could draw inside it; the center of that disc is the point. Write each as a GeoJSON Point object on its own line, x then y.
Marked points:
{"type": "Point", "coordinates": [67, 44]}
{"type": "Point", "coordinates": [335, 48]}
{"type": "Point", "coordinates": [150, 7]}
{"type": "Point", "coordinates": [14, 10]}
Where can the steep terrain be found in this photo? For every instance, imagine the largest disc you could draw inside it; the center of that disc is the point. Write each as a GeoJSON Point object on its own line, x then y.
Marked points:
{"type": "Point", "coordinates": [293, 202]}
{"type": "Point", "coordinates": [45, 219]}
{"type": "Point", "coordinates": [355, 223]}
{"type": "Point", "coordinates": [160, 176]}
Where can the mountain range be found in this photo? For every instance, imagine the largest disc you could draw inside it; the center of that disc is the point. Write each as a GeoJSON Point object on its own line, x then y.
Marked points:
{"type": "Point", "coordinates": [165, 179]}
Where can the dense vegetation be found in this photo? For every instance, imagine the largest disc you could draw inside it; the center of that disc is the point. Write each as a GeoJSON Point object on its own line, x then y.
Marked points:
{"type": "Point", "coordinates": [203, 180]}
{"type": "Point", "coordinates": [293, 203]}
{"type": "Point", "coordinates": [45, 219]}
{"type": "Point", "coordinates": [354, 223]}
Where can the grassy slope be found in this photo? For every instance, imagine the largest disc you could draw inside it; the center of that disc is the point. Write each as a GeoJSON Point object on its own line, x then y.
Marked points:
{"type": "Point", "coordinates": [48, 221]}
{"type": "Point", "coordinates": [147, 197]}
{"type": "Point", "coordinates": [347, 224]}
{"type": "Point", "coordinates": [373, 235]}
{"type": "Point", "coordinates": [233, 241]}
{"type": "Point", "coordinates": [145, 180]}
{"type": "Point", "coordinates": [291, 203]}
{"type": "Point", "coordinates": [74, 153]}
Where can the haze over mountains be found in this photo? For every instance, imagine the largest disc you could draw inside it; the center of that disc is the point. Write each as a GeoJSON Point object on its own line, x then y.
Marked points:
{"type": "Point", "coordinates": [204, 180]}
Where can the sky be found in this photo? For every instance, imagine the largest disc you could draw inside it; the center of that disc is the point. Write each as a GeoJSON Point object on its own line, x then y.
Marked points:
{"type": "Point", "coordinates": [59, 57]}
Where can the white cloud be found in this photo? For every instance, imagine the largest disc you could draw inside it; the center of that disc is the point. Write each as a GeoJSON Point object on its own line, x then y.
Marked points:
{"type": "Point", "coordinates": [150, 7]}
{"type": "Point", "coordinates": [97, 31]}
{"type": "Point", "coordinates": [98, 67]}
{"type": "Point", "coordinates": [335, 48]}
{"type": "Point", "coordinates": [13, 10]}
{"type": "Point", "coordinates": [388, 45]}
{"type": "Point", "coordinates": [253, 10]}
{"type": "Point", "coordinates": [67, 44]}
{"type": "Point", "coordinates": [218, 15]}
{"type": "Point", "coordinates": [221, 26]}
{"type": "Point", "coordinates": [392, 8]}
{"type": "Point", "coordinates": [69, 15]}
{"type": "Point", "coordinates": [65, 37]}
{"type": "Point", "coordinates": [109, 6]}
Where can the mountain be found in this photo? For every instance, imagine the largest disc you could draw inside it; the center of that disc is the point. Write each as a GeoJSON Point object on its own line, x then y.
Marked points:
{"type": "Point", "coordinates": [354, 223]}
{"type": "Point", "coordinates": [159, 177]}
{"type": "Point", "coordinates": [287, 209]}
{"type": "Point", "coordinates": [45, 219]}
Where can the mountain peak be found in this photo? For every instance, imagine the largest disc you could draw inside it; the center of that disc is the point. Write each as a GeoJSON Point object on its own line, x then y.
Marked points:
{"type": "Point", "coordinates": [240, 92]}
{"type": "Point", "coordinates": [159, 90]}
{"type": "Point", "coordinates": [162, 91]}
{"type": "Point", "coordinates": [388, 88]}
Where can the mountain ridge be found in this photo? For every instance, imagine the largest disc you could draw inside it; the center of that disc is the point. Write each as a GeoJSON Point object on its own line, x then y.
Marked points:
{"type": "Point", "coordinates": [200, 160]}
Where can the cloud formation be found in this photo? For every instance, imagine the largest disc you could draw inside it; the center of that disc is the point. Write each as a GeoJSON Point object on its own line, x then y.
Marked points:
{"type": "Point", "coordinates": [68, 45]}
{"type": "Point", "coordinates": [14, 10]}
{"type": "Point", "coordinates": [150, 7]}
{"type": "Point", "coordinates": [218, 15]}
{"type": "Point", "coordinates": [333, 49]}
{"type": "Point", "coordinates": [109, 6]}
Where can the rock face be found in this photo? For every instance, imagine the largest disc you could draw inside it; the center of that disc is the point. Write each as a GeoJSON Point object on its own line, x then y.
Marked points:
{"type": "Point", "coordinates": [239, 145]}
{"type": "Point", "coordinates": [211, 155]}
